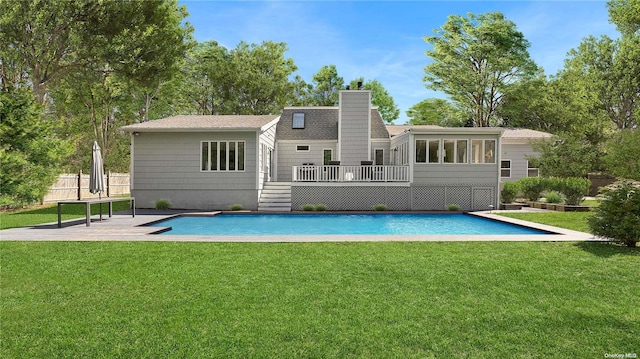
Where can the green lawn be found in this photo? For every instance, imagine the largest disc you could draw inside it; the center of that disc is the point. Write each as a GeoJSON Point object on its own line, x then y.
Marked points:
{"type": "Point", "coordinates": [30, 217]}
{"type": "Point", "coordinates": [333, 300]}
{"type": "Point", "coordinates": [576, 221]}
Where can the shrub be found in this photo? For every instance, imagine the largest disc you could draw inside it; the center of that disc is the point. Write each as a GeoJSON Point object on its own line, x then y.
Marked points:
{"type": "Point", "coordinates": [308, 207]}
{"type": "Point", "coordinates": [321, 207]}
{"type": "Point", "coordinates": [509, 192]}
{"type": "Point", "coordinates": [453, 207]}
{"type": "Point", "coordinates": [553, 197]}
{"type": "Point", "coordinates": [531, 187]}
{"type": "Point", "coordinates": [236, 207]}
{"type": "Point", "coordinates": [574, 189]}
{"type": "Point", "coordinates": [380, 207]}
{"type": "Point", "coordinates": [553, 183]}
{"type": "Point", "coordinates": [163, 203]}
{"type": "Point", "coordinates": [618, 216]}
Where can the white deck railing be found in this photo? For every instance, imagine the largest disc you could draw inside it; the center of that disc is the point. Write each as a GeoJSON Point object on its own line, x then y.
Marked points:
{"type": "Point", "coordinates": [370, 173]}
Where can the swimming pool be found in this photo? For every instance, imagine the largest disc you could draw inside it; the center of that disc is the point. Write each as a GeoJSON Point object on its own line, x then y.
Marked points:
{"type": "Point", "coordinates": [339, 224]}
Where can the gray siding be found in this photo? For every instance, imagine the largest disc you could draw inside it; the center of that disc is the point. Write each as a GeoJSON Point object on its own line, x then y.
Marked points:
{"type": "Point", "coordinates": [354, 127]}
{"type": "Point", "coordinates": [450, 173]}
{"type": "Point", "coordinates": [287, 156]}
{"type": "Point", "coordinates": [267, 138]}
{"type": "Point", "coordinates": [167, 165]}
{"type": "Point", "coordinates": [441, 174]}
{"type": "Point", "coordinates": [384, 145]}
{"type": "Point", "coordinates": [518, 154]}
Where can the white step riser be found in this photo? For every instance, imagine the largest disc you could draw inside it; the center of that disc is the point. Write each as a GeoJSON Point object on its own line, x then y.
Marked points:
{"type": "Point", "coordinates": [275, 197]}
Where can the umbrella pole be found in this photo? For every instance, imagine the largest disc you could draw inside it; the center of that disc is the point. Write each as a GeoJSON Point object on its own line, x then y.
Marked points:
{"type": "Point", "coordinates": [100, 197]}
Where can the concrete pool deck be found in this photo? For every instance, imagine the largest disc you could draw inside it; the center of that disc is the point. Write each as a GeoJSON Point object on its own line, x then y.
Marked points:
{"type": "Point", "coordinates": [122, 227]}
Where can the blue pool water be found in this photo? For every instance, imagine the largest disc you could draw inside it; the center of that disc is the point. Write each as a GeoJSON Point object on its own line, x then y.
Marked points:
{"type": "Point", "coordinates": [309, 224]}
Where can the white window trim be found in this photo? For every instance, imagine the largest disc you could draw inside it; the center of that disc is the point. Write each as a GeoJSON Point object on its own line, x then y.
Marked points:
{"type": "Point", "coordinates": [455, 151]}
{"type": "Point", "coordinates": [484, 146]}
{"type": "Point", "coordinates": [532, 168]}
{"type": "Point", "coordinates": [209, 148]}
{"type": "Point", "coordinates": [299, 150]}
{"type": "Point", "coordinates": [510, 168]}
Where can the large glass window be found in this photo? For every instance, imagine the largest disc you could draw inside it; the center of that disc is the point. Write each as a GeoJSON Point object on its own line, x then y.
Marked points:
{"type": "Point", "coordinates": [449, 150]}
{"type": "Point", "coordinates": [240, 159]}
{"type": "Point", "coordinates": [421, 151]}
{"type": "Point", "coordinates": [483, 151]}
{"type": "Point", "coordinates": [222, 156]}
{"type": "Point", "coordinates": [490, 151]}
{"type": "Point", "coordinates": [461, 151]}
{"type": "Point", "coordinates": [455, 151]}
{"type": "Point", "coordinates": [204, 157]}
{"type": "Point", "coordinates": [434, 151]}
{"type": "Point", "coordinates": [476, 151]}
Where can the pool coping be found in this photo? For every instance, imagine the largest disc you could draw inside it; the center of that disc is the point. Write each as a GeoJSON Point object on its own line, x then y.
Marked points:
{"type": "Point", "coordinates": [122, 227]}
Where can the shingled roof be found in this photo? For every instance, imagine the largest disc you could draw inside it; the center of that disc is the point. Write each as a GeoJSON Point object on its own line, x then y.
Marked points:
{"type": "Point", "coordinates": [321, 123]}
{"type": "Point", "coordinates": [395, 130]}
{"type": "Point", "coordinates": [517, 133]}
{"type": "Point", "coordinates": [200, 122]}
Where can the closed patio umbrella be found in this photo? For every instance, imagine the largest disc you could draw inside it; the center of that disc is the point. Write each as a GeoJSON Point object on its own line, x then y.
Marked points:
{"type": "Point", "coordinates": [96, 176]}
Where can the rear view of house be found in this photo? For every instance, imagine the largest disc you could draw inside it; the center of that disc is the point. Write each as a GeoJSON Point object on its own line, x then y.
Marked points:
{"type": "Point", "coordinates": [343, 157]}
{"type": "Point", "coordinates": [201, 162]}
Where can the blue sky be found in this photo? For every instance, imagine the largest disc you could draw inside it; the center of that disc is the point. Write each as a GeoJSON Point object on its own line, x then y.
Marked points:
{"type": "Point", "coordinates": [383, 39]}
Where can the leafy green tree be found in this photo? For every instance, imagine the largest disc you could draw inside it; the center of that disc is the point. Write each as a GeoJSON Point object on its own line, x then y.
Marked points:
{"type": "Point", "coordinates": [130, 49]}
{"type": "Point", "coordinates": [301, 92]}
{"type": "Point", "coordinates": [251, 79]}
{"type": "Point", "coordinates": [380, 97]}
{"type": "Point", "coordinates": [436, 111]}
{"type": "Point", "coordinates": [208, 79]}
{"type": "Point", "coordinates": [622, 154]}
{"type": "Point", "coordinates": [626, 15]}
{"type": "Point", "coordinates": [38, 41]}
{"type": "Point", "coordinates": [476, 59]}
{"type": "Point", "coordinates": [261, 83]}
{"type": "Point", "coordinates": [30, 151]}
{"type": "Point", "coordinates": [326, 87]}
{"type": "Point", "coordinates": [611, 70]}
{"type": "Point", "coordinates": [568, 156]}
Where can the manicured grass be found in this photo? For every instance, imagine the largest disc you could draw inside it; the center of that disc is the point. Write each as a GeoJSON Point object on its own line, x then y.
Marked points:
{"type": "Point", "coordinates": [329, 300]}
{"type": "Point", "coordinates": [590, 202]}
{"type": "Point", "coordinates": [30, 217]}
{"type": "Point", "coordinates": [576, 221]}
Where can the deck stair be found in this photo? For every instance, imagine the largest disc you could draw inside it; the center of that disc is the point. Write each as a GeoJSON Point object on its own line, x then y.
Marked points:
{"type": "Point", "coordinates": [275, 197]}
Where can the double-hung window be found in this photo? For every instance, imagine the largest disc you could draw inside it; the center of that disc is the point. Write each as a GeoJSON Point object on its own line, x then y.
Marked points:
{"type": "Point", "coordinates": [532, 169]}
{"type": "Point", "coordinates": [505, 168]}
{"type": "Point", "coordinates": [220, 156]}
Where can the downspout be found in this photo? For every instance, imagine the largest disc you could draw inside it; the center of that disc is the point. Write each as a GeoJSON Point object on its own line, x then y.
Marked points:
{"type": "Point", "coordinates": [131, 161]}
{"type": "Point", "coordinates": [258, 168]}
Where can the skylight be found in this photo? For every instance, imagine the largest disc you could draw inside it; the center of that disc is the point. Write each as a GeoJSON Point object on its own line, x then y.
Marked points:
{"type": "Point", "coordinates": [298, 120]}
